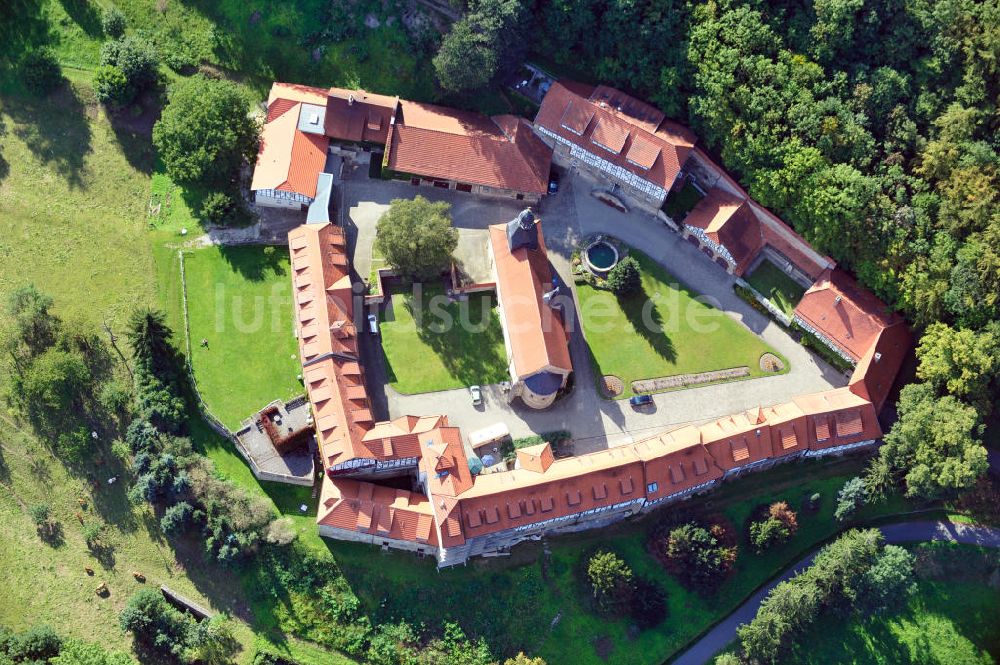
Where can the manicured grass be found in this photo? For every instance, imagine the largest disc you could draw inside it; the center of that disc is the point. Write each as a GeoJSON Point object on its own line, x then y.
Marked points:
{"type": "Point", "coordinates": [945, 623]}
{"type": "Point", "coordinates": [239, 299]}
{"type": "Point", "coordinates": [431, 344]}
{"type": "Point", "coordinates": [680, 203]}
{"type": "Point", "coordinates": [677, 334]}
{"type": "Point", "coordinates": [776, 286]}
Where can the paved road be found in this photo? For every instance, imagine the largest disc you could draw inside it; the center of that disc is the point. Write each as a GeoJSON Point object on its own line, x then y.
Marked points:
{"type": "Point", "coordinates": [905, 532]}
{"type": "Point", "coordinates": [596, 423]}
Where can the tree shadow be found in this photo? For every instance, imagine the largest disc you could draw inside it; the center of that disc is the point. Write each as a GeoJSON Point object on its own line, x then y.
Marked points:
{"type": "Point", "coordinates": [4, 165]}
{"type": "Point", "coordinates": [85, 15]}
{"type": "Point", "coordinates": [647, 321]}
{"type": "Point", "coordinates": [255, 262]}
{"type": "Point", "coordinates": [22, 26]}
{"type": "Point", "coordinates": [56, 131]}
{"type": "Point", "coordinates": [51, 533]}
{"type": "Point", "coordinates": [133, 127]}
{"type": "Point", "coordinates": [471, 348]}
{"type": "Point", "coordinates": [104, 554]}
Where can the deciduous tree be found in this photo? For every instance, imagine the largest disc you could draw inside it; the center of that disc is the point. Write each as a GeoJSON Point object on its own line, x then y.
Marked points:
{"type": "Point", "coordinates": [416, 237]}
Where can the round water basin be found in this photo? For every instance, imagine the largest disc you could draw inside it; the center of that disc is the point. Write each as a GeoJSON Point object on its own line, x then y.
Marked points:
{"type": "Point", "coordinates": [601, 256]}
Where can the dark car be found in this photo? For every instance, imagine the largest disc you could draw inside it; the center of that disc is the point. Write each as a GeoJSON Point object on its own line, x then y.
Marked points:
{"type": "Point", "coordinates": [553, 182]}
{"type": "Point", "coordinates": [640, 400]}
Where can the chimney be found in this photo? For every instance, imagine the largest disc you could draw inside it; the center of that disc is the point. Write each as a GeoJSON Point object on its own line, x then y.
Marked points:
{"type": "Point", "coordinates": [350, 100]}
{"type": "Point", "coordinates": [836, 301]}
{"type": "Point", "coordinates": [878, 356]}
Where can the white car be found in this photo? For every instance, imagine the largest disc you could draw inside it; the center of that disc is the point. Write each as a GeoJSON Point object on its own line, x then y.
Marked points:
{"type": "Point", "coordinates": [477, 395]}
{"type": "Point", "coordinates": [373, 324]}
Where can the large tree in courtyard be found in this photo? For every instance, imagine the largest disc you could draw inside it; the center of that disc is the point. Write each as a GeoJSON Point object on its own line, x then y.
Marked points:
{"type": "Point", "coordinates": [416, 237]}
{"type": "Point", "coordinates": [934, 444]}
{"type": "Point", "coordinates": [205, 131]}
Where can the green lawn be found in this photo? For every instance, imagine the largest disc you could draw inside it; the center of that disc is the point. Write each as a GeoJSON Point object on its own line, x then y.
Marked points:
{"type": "Point", "coordinates": [239, 299]}
{"type": "Point", "coordinates": [776, 286]}
{"type": "Point", "coordinates": [431, 346]}
{"type": "Point", "coordinates": [513, 601]}
{"type": "Point", "coordinates": [680, 203]}
{"type": "Point", "coordinates": [678, 334]}
{"type": "Point", "coordinates": [947, 622]}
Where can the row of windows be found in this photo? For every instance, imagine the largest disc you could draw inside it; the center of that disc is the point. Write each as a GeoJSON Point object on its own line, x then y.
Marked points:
{"type": "Point", "coordinates": [566, 518]}
{"type": "Point", "coordinates": [281, 194]}
{"type": "Point", "coordinates": [823, 338]}
{"type": "Point", "coordinates": [622, 174]}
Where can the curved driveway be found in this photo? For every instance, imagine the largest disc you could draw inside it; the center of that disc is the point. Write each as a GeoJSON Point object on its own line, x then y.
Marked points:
{"type": "Point", "coordinates": [904, 532]}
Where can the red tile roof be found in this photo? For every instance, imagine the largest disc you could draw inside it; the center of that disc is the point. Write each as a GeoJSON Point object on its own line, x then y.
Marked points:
{"type": "Point", "coordinates": [328, 348]}
{"type": "Point", "coordinates": [639, 139]}
{"type": "Point", "coordinates": [447, 144]}
{"type": "Point", "coordinates": [288, 159]}
{"type": "Point", "coordinates": [383, 512]}
{"type": "Point", "coordinates": [850, 316]}
{"type": "Point", "coordinates": [536, 332]}
{"type": "Point", "coordinates": [728, 221]}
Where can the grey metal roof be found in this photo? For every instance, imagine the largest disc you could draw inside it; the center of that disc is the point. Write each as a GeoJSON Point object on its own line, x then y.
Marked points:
{"type": "Point", "coordinates": [312, 119]}
{"type": "Point", "coordinates": [319, 209]}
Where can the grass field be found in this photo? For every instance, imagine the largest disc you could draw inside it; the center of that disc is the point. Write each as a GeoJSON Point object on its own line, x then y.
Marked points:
{"type": "Point", "coordinates": [949, 622]}
{"type": "Point", "coordinates": [776, 286]}
{"type": "Point", "coordinates": [432, 345]}
{"type": "Point", "coordinates": [514, 601]}
{"type": "Point", "coordinates": [239, 299]}
{"type": "Point", "coordinates": [678, 334]}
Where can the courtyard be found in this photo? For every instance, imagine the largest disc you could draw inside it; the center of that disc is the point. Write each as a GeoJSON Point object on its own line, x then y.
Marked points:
{"type": "Point", "coordinates": [784, 292]}
{"type": "Point", "coordinates": [432, 344]}
{"type": "Point", "coordinates": [664, 331]}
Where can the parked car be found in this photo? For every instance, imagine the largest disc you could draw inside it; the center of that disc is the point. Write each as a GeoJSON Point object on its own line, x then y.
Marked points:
{"type": "Point", "coordinates": [477, 395]}
{"type": "Point", "coordinates": [373, 324]}
{"type": "Point", "coordinates": [553, 182]}
{"type": "Point", "coordinates": [639, 401]}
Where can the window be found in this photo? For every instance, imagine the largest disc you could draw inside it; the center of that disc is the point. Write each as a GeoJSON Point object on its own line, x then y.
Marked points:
{"type": "Point", "coordinates": [652, 488]}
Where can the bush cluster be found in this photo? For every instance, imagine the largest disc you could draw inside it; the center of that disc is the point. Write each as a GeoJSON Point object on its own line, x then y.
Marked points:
{"type": "Point", "coordinates": [856, 573]}
{"type": "Point", "coordinates": [616, 590]}
{"type": "Point", "coordinates": [700, 554]}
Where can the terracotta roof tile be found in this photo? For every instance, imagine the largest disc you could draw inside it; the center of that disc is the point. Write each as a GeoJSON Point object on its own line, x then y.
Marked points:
{"type": "Point", "coordinates": [536, 332]}
{"type": "Point", "coordinates": [663, 145]}
{"type": "Point", "coordinates": [442, 143]}
{"type": "Point", "coordinates": [845, 313]}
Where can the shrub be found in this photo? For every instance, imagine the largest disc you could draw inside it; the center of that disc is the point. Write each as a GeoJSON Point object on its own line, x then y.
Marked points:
{"type": "Point", "coordinates": [93, 530]}
{"type": "Point", "coordinates": [176, 518]}
{"type": "Point", "coordinates": [40, 71]}
{"type": "Point", "coordinates": [153, 621]}
{"type": "Point", "coordinates": [72, 446]}
{"type": "Point", "coordinates": [850, 498]}
{"type": "Point", "coordinates": [113, 22]}
{"type": "Point", "coordinates": [610, 579]}
{"type": "Point", "coordinates": [280, 531]}
{"type": "Point", "coordinates": [115, 397]}
{"type": "Point", "coordinates": [625, 278]}
{"type": "Point", "coordinates": [217, 208]}
{"type": "Point", "coordinates": [766, 533]}
{"type": "Point", "coordinates": [697, 555]}
{"type": "Point", "coordinates": [35, 645]}
{"type": "Point", "coordinates": [40, 513]}
{"type": "Point", "coordinates": [136, 59]}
